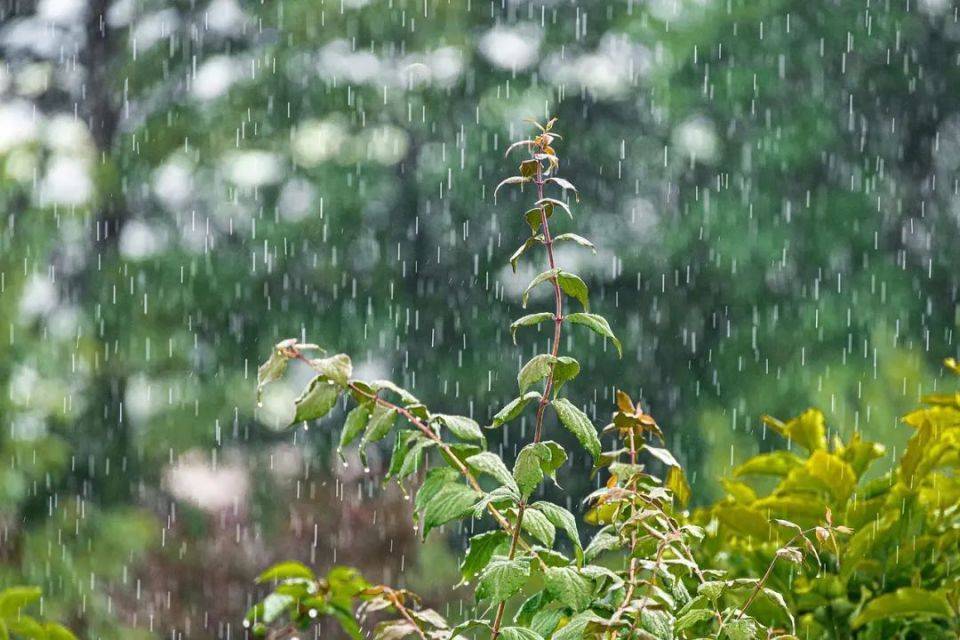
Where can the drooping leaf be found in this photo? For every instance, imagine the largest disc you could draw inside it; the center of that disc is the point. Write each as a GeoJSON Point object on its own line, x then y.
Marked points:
{"type": "Point", "coordinates": [574, 287]}
{"type": "Point", "coordinates": [354, 425]}
{"type": "Point", "coordinates": [569, 587]}
{"type": "Point", "coordinates": [519, 633]}
{"type": "Point", "coordinates": [450, 502]}
{"type": "Point", "coordinates": [564, 184]}
{"type": "Point", "coordinates": [535, 219]}
{"type": "Point", "coordinates": [274, 367]}
{"type": "Point", "coordinates": [481, 550]}
{"type": "Point", "coordinates": [572, 237]}
{"type": "Point", "coordinates": [599, 325]}
{"type": "Point", "coordinates": [539, 279]}
{"type": "Point", "coordinates": [528, 244]}
{"type": "Point", "coordinates": [556, 203]}
{"type": "Point", "coordinates": [317, 399]}
{"type": "Point", "coordinates": [577, 422]}
{"type": "Point", "coordinates": [527, 321]}
{"type": "Point", "coordinates": [510, 180]}
{"type": "Point", "coordinates": [775, 463]}
{"type": "Point", "coordinates": [436, 478]}
{"type": "Point", "coordinates": [742, 629]}
{"type": "Point", "coordinates": [378, 426]}
{"type": "Point", "coordinates": [513, 409]}
{"type": "Point", "coordinates": [461, 426]}
{"type": "Point", "coordinates": [13, 599]}
{"type": "Point", "coordinates": [536, 369]}
{"type": "Point", "coordinates": [502, 578]}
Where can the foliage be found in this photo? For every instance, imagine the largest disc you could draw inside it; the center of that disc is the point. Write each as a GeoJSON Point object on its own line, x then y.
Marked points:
{"type": "Point", "coordinates": [17, 624]}
{"type": "Point", "coordinates": [659, 592]}
{"type": "Point", "coordinates": [896, 576]}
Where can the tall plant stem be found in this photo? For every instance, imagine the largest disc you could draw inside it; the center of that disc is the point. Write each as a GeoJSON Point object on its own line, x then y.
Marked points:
{"type": "Point", "coordinates": [548, 386]}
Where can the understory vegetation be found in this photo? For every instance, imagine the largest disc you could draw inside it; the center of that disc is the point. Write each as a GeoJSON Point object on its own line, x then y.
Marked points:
{"type": "Point", "coordinates": [807, 542]}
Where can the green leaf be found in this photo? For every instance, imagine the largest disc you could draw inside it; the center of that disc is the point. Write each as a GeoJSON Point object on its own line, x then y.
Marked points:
{"type": "Point", "coordinates": [491, 464]}
{"type": "Point", "coordinates": [539, 279]}
{"type": "Point", "coordinates": [13, 599]}
{"type": "Point", "coordinates": [505, 494]}
{"type": "Point", "coordinates": [574, 287]}
{"type": "Point", "coordinates": [337, 368]}
{"type": "Point", "coordinates": [502, 578]}
{"type": "Point", "coordinates": [809, 429]}
{"type": "Point", "coordinates": [539, 367]}
{"type": "Point", "coordinates": [535, 220]}
{"type": "Point", "coordinates": [510, 180]}
{"type": "Point", "coordinates": [569, 587]}
{"type": "Point", "coordinates": [354, 424]}
{"type": "Point", "coordinates": [659, 624]}
{"type": "Point", "coordinates": [572, 237]}
{"type": "Point", "coordinates": [908, 602]}
{"type": "Point", "coordinates": [58, 632]}
{"type": "Point", "coordinates": [407, 397]}
{"type": "Point", "coordinates": [599, 325]}
{"type": "Point", "coordinates": [742, 629]}
{"type": "Point", "coordinates": [553, 202]}
{"type": "Point", "coordinates": [413, 461]}
{"type": "Point", "coordinates": [435, 479]}
{"type": "Point", "coordinates": [274, 367]}
{"type": "Point", "coordinates": [564, 370]}
{"type": "Point", "coordinates": [519, 633]}
{"type": "Point", "coordinates": [450, 502]}
{"type": "Point", "coordinates": [379, 425]}
{"type": "Point", "coordinates": [513, 409]}
{"type": "Point", "coordinates": [692, 617]}
{"type": "Point", "coordinates": [4, 632]}
{"type": "Point", "coordinates": [563, 520]}
{"type": "Point", "coordinates": [481, 549]}
{"type": "Point", "coordinates": [537, 525]}
{"type": "Point", "coordinates": [576, 627]}
{"type": "Point", "coordinates": [533, 462]}
{"type": "Point", "coordinates": [563, 184]}
{"type": "Point", "coordinates": [529, 320]}
{"type": "Point", "coordinates": [317, 399]}
{"type": "Point", "coordinates": [275, 605]}
{"type": "Point", "coordinates": [286, 571]}
{"type": "Point", "coordinates": [26, 627]}
{"type": "Point", "coordinates": [526, 246]}
{"type": "Point", "coordinates": [663, 455]}
{"type": "Point", "coordinates": [577, 423]}
{"type": "Point", "coordinates": [775, 463]}
{"type": "Point", "coordinates": [401, 447]}
{"type": "Point", "coordinates": [461, 426]}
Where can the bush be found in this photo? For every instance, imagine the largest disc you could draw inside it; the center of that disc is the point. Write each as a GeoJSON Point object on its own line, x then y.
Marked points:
{"type": "Point", "coordinates": [897, 575]}
{"type": "Point", "coordinates": [637, 577]}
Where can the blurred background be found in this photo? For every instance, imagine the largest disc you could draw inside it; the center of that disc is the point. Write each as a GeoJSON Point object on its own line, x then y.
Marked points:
{"type": "Point", "coordinates": [772, 186]}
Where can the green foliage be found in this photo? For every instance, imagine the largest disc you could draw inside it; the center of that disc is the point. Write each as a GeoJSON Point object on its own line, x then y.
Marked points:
{"type": "Point", "coordinates": [659, 591]}
{"type": "Point", "coordinates": [892, 570]}
{"type": "Point", "coordinates": [17, 621]}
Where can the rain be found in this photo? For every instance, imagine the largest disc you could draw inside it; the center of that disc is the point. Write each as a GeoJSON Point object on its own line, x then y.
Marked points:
{"type": "Point", "coordinates": [766, 215]}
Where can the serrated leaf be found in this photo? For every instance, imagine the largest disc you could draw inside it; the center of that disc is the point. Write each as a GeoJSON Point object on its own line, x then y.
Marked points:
{"type": "Point", "coordinates": [502, 578]}
{"type": "Point", "coordinates": [597, 324]}
{"type": "Point", "coordinates": [529, 320]}
{"type": "Point", "coordinates": [510, 180]}
{"type": "Point", "coordinates": [572, 237]}
{"type": "Point", "coordinates": [461, 426]}
{"type": "Point", "coordinates": [354, 425]}
{"type": "Point", "coordinates": [576, 627]}
{"type": "Point", "coordinates": [577, 423]}
{"type": "Point", "coordinates": [481, 550]}
{"type": "Point", "coordinates": [534, 461]}
{"type": "Point", "coordinates": [317, 399]}
{"type": "Point", "coordinates": [742, 629]}
{"type": "Point", "coordinates": [491, 464]}
{"type": "Point", "coordinates": [513, 409]}
{"type": "Point", "coordinates": [435, 479]}
{"type": "Point", "coordinates": [274, 367]}
{"type": "Point", "coordinates": [519, 633]}
{"type": "Point", "coordinates": [574, 287]}
{"type": "Point", "coordinates": [569, 587]}
{"type": "Point", "coordinates": [337, 368]}
{"type": "Point", "coordinates": [537, 525]}
{"type": "Point", "coordinates": [378, 426]}
{"type": "Point", "coordinates": [563, 520]}
{"type": "Point", "coordinates": [286, 571]}
{"type": "Point", "coordinates": [450, 502]}
{"type": "Point", "coordinates": [509, 494]}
